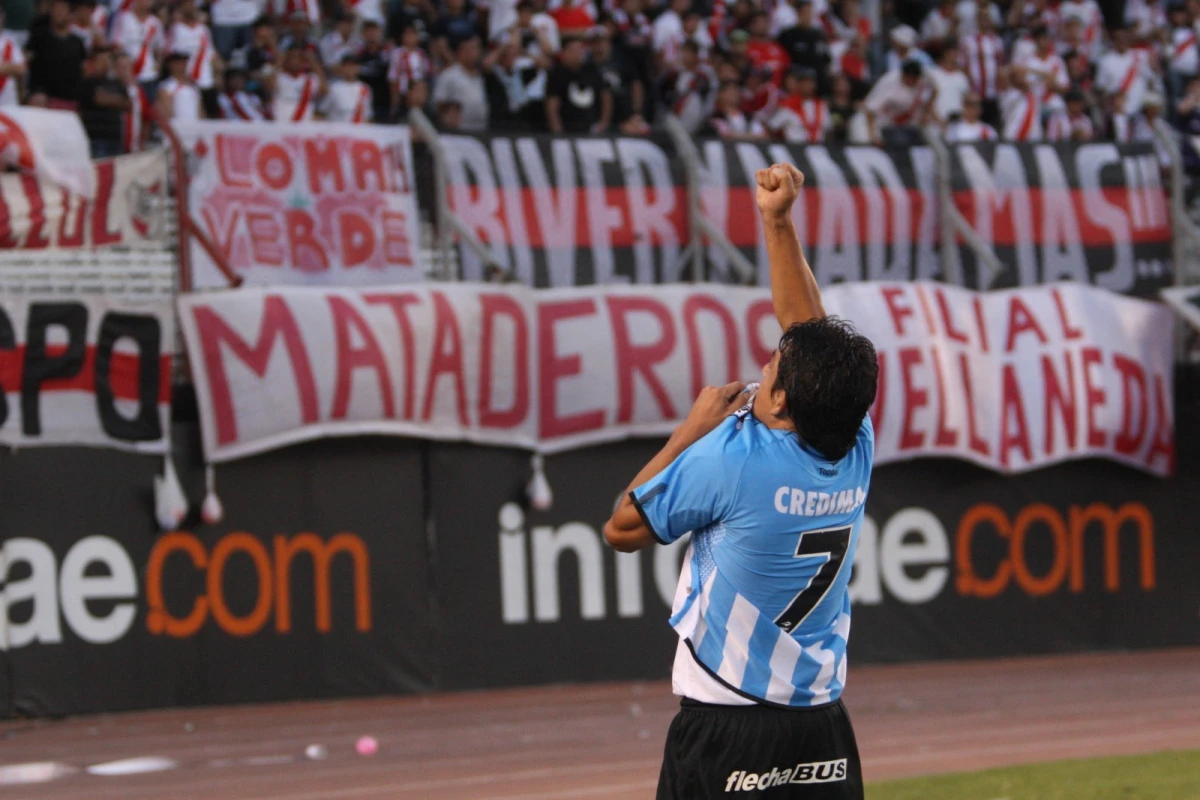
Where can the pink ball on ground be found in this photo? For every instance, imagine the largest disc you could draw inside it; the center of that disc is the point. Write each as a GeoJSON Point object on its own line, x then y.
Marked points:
{"type": "Point", "coordinates": [366, 746]}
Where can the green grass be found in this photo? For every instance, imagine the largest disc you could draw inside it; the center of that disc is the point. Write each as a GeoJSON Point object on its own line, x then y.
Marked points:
{"type": "Point", "coordinates": [1157, 776]}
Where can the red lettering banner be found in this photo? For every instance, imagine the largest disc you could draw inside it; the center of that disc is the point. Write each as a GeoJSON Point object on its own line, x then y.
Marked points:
{"type": "Point", "coordinates": [303, 203]}
{"type": "Point", "coordinates": [126, 209]}
{"type": "Point", "coordinates": [1012, 380]}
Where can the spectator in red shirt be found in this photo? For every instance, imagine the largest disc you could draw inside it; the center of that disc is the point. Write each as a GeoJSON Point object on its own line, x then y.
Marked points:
{"type": "Point", "coordinates": [759, 96]}
{"type": "Point", "coordinates": [855, 66]}
{"type": "Point", "coordinates": [574, 17]}
{"type": "Point", "coordinates": [764, 52]}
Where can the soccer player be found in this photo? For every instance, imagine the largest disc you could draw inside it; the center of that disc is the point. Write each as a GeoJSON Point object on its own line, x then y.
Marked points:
{"type": "Point", "coordinates": [773, 489]}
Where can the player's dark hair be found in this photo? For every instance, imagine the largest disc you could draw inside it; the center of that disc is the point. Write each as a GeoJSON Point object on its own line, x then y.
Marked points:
{"type": "Point", "coordinates": [828, 372]}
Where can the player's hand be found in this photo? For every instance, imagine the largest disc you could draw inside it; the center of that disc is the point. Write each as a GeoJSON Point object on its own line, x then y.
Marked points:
{"type": "Point", "coordinates": [713, 405]}
{"type": "Point", "coordinates": [778, 187]}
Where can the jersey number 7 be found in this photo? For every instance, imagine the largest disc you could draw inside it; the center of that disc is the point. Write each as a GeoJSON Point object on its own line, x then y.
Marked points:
{"type": "Point", "coordinates": [829, 544]}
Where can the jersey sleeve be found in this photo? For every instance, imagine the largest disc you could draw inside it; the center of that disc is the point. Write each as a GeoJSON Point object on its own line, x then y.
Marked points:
{"type": "Point", "coordinates": [697, 489]}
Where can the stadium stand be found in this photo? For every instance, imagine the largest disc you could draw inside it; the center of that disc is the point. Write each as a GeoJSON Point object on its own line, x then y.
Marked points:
{"type": "Point", "coordinates": [801, 71]}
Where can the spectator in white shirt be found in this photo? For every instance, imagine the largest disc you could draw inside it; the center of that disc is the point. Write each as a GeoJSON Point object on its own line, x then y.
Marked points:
{"type": "Point", "coordinates": [348, 99]}
{"type": "Point", "coordinates": [87, 24]}
{"type": "Point", "coordinates": [951, 81]}
{"type": "Point", "coordinates": [12, 67]}
{"type": "Point", "coordinates": [668, 26]}
{"type": "Point", "coordinates": [1073, 124]}
{"type": "Point", "coordinates": [232, 22]}
{"type": "Point", "coordinates": [969, 12]}
{"type": "Point", "coordinates": [783, 17]}
{"type": "Point", "coordinates": [970, 128]}
{"type": "Point", "coordinates": [459, 94]}
{"type": "Point", "coordinates": [297, 85]}
{"type": "Point", "coordinates": [1046, 70]}
{"type": "Point", "coordinates": [901, 100]}
{"type": "Point", "coordinates": [904, 47]}
{"type": "Point", "coordinates": [1020, 106]}
{"type": "Point", "coordinates": [728, 121]}
{"type": "Point", "coordinates": [1125, 76]}
{"type": "Point", "coordinates": [1183, 50]}
{"type": "Point", "coordinates": [238, 104]}
{"type": "Point", "coordinates": [140, 34]}
{"type": "Point", "coordinates": [410, 72]}
{"type": "Point", "coordinates": [802, 116]}
{"type": "Point", "coordinates": [1146, 125]}
{"type": "Point", "coordinates": [340, 40]}
{"type": "Point", "coordinates": [940, 24]}
{"type": "Point", "coordinates": [190, 36]}
{"type": "Point", "coordinates": [178, 97]}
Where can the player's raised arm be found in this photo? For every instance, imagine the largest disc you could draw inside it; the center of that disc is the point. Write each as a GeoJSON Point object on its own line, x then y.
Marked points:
{"type": "Point", "coordinates": [794, 290]}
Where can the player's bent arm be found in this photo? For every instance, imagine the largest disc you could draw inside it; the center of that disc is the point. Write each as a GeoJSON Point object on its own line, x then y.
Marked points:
{"type": "Point", "coordinates": [627, 531]}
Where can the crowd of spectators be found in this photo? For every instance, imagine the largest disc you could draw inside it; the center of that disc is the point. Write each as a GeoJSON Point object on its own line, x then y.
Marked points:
{"type": "Point", "coordinates": [792, 70]}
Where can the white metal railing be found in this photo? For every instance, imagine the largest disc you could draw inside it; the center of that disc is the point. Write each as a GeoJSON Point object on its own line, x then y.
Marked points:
{"type": "Point", "coordinates": [954, 225]}
{"type": "Point", "coordinates": [447, 224]}
{"type": "Point", "coordinates": [698, 222]}
{"type": "Point", "coordinates": [1186, 239]}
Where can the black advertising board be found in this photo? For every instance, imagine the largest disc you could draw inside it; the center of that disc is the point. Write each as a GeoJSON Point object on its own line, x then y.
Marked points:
{"type": "Point", "coordinates": [960, 563]}
{"type": "Point", "coordinates": [394, 567]}
{"type": "Point", "coordinates": [313, 585]}
{"type": "Point", "coordinates": [548, 601]}
{"type": "Point", "coordinates": [953, 561]}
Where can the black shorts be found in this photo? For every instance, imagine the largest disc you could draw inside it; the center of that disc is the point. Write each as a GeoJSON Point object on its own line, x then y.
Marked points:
{"type": "Point", "coordinates": [760, 751]}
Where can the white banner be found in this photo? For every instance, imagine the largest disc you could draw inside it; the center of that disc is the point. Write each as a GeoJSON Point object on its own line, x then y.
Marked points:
{"type": "Point", "coordinates": [1012, 380]}
{"type": "Point", "coordinates": [49, 144]}
{"type": "Point", "coordinates": [127, 207]}
{"type": "Point", "coordinates": [315, 203]}
{"type": "Point", "coordinates": [88, 370]}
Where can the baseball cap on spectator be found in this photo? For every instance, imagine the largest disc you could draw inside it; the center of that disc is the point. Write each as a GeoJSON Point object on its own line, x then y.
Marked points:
{"type": "Point", "coordinates": [1073, 14]}
{"type": "Point", "coordinates": [418, 25]}
{"type": "Point", "coordinates": [904, 36]}
{"type": "Point", "coordinates": [803, 73]}
{"type": "Point", "coordinates": [739, 36]}
{"type": "Point", "coordinates": [912, 68]}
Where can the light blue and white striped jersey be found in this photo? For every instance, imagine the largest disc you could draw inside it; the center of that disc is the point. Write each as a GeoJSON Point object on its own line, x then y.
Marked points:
{"type": "Point", "coordinates": [762, 603]}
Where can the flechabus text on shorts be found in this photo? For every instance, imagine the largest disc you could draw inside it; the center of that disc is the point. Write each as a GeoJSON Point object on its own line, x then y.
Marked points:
{"type": "Point", "coordinates": [814, 772]}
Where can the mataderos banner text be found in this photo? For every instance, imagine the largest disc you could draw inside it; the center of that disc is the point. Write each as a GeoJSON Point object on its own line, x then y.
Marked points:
{"type": "Point", "coordinates": [89, 370]}
{"type": "Point", "coordinates": [1013, 380]}
{"type": "Point", "coordinates": [562, 212]}
{"type": "Point", "coordinates": [315, 203]}
{"type": "Point", "coordinates": [126, 209]}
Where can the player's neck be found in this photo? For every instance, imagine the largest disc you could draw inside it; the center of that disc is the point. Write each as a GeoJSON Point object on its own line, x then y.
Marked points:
{"type": "Point", "coordinates": [776, 423]}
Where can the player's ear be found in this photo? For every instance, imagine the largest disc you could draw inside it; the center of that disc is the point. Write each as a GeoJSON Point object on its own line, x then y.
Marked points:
{"type": "Point", "coordinates": [779, 403]}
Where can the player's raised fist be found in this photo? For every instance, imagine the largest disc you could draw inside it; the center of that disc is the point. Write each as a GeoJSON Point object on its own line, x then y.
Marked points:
{"type": "Point", "coordinates": [778, 186]}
